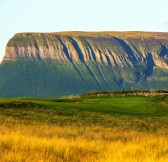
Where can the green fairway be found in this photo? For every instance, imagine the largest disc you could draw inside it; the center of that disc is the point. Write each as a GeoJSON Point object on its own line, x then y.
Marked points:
{"type": "Point", "coordinates": [131, 113]}
{"type": "Point", "coordinates": [141, 106]}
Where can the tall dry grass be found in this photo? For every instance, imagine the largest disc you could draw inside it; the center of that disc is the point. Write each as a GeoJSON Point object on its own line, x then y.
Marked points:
{"type": "Point", "coordinates": [51, 143]}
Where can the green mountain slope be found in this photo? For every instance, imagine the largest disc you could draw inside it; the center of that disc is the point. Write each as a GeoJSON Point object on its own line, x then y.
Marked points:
{"type": "Point", "coordinates": [75, 62]}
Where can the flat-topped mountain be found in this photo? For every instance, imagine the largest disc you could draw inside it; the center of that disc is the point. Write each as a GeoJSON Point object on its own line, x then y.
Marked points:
{"type": "Point", "coordinates": [66, 63]}
{"type": "Point", "coordinates": [116, 49]}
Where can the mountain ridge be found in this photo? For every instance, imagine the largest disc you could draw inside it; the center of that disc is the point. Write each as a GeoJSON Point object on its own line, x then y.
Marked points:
{"type": "Point", "coordinates": [62, 43]}
{"type": "Point", "coordinates": [91, 60]}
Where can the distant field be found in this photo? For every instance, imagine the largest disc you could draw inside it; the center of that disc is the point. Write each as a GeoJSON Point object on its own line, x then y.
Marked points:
{"type": "Point", "coordinates": [129, 129]}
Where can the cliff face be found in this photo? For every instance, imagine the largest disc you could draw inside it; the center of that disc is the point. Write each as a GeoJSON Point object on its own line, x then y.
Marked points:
{"type": "Point", "coordinates": [116, 49]}
{"type": "Point", "coordinates": [103, 61]}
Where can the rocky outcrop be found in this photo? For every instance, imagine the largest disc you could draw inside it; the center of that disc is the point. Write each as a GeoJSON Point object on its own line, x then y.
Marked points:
{"type": "Point", "coordinates": [88, 61]}
{"type": "Point", "coordinates": [117, 49]}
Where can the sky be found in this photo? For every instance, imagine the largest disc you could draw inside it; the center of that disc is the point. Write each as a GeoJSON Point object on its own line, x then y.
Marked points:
{"type": "Point", "coordinates": [80, 15]}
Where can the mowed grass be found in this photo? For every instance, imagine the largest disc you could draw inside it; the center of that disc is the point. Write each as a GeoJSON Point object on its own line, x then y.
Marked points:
{"type": "Point", "coordinates": [97, 129]}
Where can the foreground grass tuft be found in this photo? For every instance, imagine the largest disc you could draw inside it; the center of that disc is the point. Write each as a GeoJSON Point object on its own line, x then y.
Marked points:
{"type": "Point", "coordinates": [100, 129]}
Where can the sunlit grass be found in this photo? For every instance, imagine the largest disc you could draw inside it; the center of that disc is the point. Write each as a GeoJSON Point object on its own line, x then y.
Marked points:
{"type": "Point", "coordinates": [67, 132]}
{"type": "Point", "coordinates": [53, 143]}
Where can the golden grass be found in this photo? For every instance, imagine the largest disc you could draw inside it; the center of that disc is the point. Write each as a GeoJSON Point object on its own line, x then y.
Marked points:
{"type": "Point", "coordinates": [50, 143]}
{"type": "Point", "coordinates": [103, 34]}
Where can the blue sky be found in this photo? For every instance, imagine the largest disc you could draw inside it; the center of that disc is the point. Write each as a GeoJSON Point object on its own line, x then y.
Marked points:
{"type": "Point", "coordinates": [77, 15]}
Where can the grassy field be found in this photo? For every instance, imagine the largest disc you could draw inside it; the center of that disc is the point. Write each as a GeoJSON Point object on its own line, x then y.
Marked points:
{"type": "Point", "coordinates": [116, 129]}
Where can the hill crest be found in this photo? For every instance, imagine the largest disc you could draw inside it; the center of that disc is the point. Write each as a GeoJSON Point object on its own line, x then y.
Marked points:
{"type": "Point", "coordinates": [67, 63]}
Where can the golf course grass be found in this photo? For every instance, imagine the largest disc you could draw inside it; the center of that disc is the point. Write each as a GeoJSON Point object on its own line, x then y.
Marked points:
{"type": "Point", "coordinates": [111, 129]}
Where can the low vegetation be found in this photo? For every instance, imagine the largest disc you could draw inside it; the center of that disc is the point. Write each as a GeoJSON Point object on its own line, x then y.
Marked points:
{"type": "Point", "coordinates": [93, 94]}
{"type": "Point", "coordinates": [105, 129]}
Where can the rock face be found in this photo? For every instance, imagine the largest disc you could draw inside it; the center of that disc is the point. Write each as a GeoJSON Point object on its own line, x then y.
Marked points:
{"type": "Point", "coordinates": [75, 62]}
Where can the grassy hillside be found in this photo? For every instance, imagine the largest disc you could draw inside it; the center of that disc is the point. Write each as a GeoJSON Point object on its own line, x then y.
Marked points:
{"type": "Point", "coordinates": [99, 129]}
{"type": "Point", "coordinates": [22, 78]}
{"type": "Point", "coordinates": [25, 39]}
